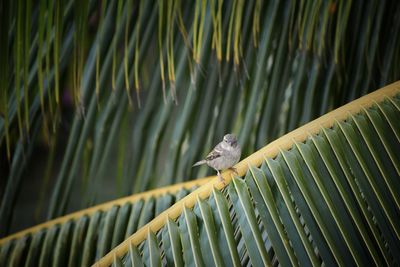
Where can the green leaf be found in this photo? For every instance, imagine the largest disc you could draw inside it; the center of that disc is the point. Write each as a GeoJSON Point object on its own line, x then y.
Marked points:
{"type": "Point", "coordinates": [34, 249]}
{"type": "Point", "coordinates": [135, 258]}
{"type": "Point", "coordinates": [46, 254]}
{"type": "Point", "coordinates": [290, 219]}
{"type": "Point", "coordinates": [223, 222]}
{"type": "Point", "coordinates": [63, 244]}
{"type": "Point", "coordinates": [78, 240]}
{"type": "Point", "coordinates": [16, 257]}
{"type": "Point", "coordinates": [371, 171]}
{"type": "Point", "coordinates": [172, 244]}
{"type": "Point", "coordinates": [89, 249]}
{"type": "Point", "coordinates": [151, 252]}
{"type": "Point", "coordinates": [207, 233]}
{"type": "Point", "coordinates": [312, 197]}
{"type": "Point", "coordinates": [190, 239]}
{"type": "Point", "coordinates": [121, 224]}
{"type": "Point", "coordinates": [106, 234]}
{"type": "Point", "coordinates": [348, 166]}
{"type": "Point", "coordinates": [267, 208]}
{"type": "Point", "coordinates": [248, 223]}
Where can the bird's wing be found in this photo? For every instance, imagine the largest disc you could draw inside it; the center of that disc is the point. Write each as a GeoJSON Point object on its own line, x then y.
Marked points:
{"type": "Point", "coordinates": [215, 153]}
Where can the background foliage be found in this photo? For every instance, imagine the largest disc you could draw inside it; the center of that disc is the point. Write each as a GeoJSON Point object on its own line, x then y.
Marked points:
{"type": "Point", "coordinates": [101, 99]}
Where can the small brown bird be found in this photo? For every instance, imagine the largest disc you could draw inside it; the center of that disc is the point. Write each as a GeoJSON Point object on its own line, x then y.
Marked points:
{"type": "Point", "coordinates": [223, 156]}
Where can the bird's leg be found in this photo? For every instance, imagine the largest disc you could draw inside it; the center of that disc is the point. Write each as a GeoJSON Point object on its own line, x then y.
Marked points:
{"type": "Point", "coordinates": [220, 177]}
{"type": "Point", "coordinates": [234, 170]}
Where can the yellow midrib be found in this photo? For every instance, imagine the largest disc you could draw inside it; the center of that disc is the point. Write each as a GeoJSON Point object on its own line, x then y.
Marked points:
{"type": "Point", "coordinates": [269, 151]}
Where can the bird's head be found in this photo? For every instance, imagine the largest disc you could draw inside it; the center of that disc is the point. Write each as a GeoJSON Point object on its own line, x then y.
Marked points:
{"type": "Point", "coordinates": [230, 139]}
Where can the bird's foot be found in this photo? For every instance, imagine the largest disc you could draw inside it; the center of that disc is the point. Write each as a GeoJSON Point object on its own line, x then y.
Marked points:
{"type": "Point", "coordinates": [234, 170]}
{"type": "Point", "coordinates": [221, 179]}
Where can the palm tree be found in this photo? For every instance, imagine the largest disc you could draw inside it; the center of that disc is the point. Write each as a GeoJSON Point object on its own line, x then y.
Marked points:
{"type": "Point", "coordinates": [153, 85]}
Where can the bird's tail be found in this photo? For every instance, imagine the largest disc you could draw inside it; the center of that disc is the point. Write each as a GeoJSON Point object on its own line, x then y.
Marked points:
{"type": "Point", "coordinates": [199, 163]}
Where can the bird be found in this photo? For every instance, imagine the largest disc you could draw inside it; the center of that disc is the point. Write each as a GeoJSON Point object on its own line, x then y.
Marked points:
{"type": "Point", "coordinates": [224, 155]}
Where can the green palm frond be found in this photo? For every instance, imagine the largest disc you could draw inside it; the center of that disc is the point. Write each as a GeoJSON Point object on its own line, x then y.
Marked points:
{"type": "Point", "coordinates": [74, 72]}
{"type": "Point", "coordinates": [331, 199]}
{"type": "Point", "coordinates": [81, 238]}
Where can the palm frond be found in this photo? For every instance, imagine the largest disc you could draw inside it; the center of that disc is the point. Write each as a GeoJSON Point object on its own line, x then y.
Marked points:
{"type": "Point", "coordinates": [83, 237]}
{"type": "Point", "coordinates": [325, 193]}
